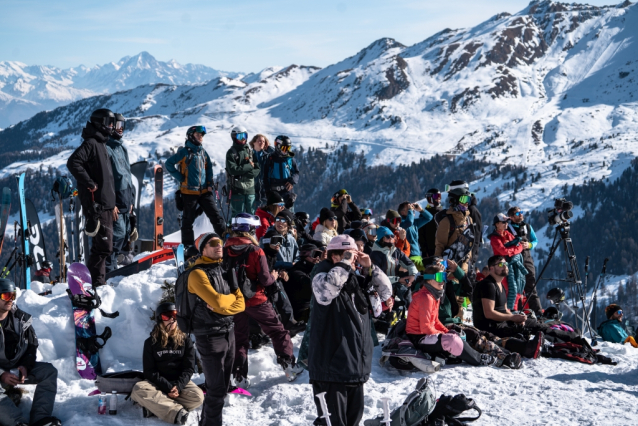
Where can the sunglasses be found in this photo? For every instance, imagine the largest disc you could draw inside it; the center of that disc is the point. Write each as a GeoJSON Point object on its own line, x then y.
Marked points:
{"type": "Point", "coordinates": [9, 296]}
{"type": "Point", "coordinates": [281, 219]}
{"type": "Point", "coordinates": [167, 316]}
{"type": "Point", "coordinates": [464, 199]}
{"type": "Point", "coordinates": [332, 218]}
{"type": "Point", "coordinates": [439, 277]}
{"type": "Point", "coordinates": [279, 204]}
{"type": "Point", "coordinates": [518, 214]}
{"type": "Point", "coordinates": [215, 243]}
{"type": "Point", "coordinates": [241, 136]}
{"type": "Point", "coordinates": [619, 311]}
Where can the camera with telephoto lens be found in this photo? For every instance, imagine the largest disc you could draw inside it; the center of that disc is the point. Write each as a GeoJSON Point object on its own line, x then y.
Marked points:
{"type": "Point", "coordinates": [561, 212]}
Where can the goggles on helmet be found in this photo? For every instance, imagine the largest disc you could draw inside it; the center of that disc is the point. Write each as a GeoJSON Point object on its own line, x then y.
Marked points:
{"type": "Point", "coordinates": [8, 296]}
{"type": "Point", "coordinates": [285, 148]}
{"type": "Point", "coordinates": [464, 199]}
{"type": "Point", "coordinates": [435, 196]}
{"type": "Point", "coordinates": [241, 136]}
{"type": "Point", "coordinates": [439, 277]}
{"type": "Point", "coordinates": [371, 230]}
{"type": "Point", "coordinates": [169, 315]}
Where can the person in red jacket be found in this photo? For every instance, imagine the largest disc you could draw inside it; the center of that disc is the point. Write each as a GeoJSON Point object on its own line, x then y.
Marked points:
{"type": "Point", "coordinates": [267, 213]}
{"type": "Point", "coordinates": [257, 307]}
{"type": "Point", "coordinates": [502, 241]}
{"type": "Point", "coordinates": [425, 330]}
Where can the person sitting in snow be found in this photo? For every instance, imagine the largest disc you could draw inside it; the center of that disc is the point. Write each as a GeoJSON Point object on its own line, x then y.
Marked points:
{"type": "Point", "coordinates": [18, 365]}
{"type": "Point", "coordinates": [169, 363]}
{"type": "Point", "coordinates": [613, 330]}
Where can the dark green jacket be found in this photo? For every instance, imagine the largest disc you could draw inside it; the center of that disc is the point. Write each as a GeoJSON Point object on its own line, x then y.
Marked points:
{"type": "Point", "coordinates": [238, 167]}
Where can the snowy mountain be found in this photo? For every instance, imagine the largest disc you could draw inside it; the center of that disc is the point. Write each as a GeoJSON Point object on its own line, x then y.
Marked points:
{"type": "Point", "coordinates": [26, 90]}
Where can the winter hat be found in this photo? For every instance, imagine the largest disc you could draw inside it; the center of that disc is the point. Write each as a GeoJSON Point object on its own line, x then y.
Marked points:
{"type": "Point", "coordinates": [382, 232]}
{"type": "Point", "coordinates": [201, 241]}
{"type": "Point", "coordinates": [611, 310]}
{"type": "Point", "coordinates": [500, 217]}
{"type": "Point", "coordinates": [273, 197]}
{"type": "Point", "coordinates": [392, 214]}
{"type": "Point", "coordinates": [325, 214]}
{"type": "Point", "coordinates": [287, 214]}
{"type": "Point", "coordinates": [342, 242]}
{"type": "Point", "coordinates": [358, 235]}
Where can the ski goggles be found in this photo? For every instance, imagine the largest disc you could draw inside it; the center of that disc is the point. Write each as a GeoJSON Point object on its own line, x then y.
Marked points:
{"type": "Point", "coordinates": [435, 196]}
{"type": "Point", "coordinates": [241, 136]}
{"type": "Point", "coordinates": [169, 315]}
{"type": "Point", "coordinates": [215, 242]}
{"type": "Point", "coordinates": [119, 125]}
{"type": "Point", "coordinates": [285, 148]}
{"type": "Point", "coordinates": [8, 296]}
{"type": "Point", "coordinates": [464, 199]}
{"type": "Point", "coordinates": [280, 204]}
{"type": "Point", "coordinates": [439, 277]}
{"type": "Point", "coordinates": [371, 230]}
{"type": "Point", "coordinates": [199, 129]}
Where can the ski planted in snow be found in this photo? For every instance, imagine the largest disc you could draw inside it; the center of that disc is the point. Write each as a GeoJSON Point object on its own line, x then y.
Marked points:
{"type": "Point", "coordinates": [142, 264]}
{"type": "Point", "coordinates": [59, 219]}
{"type": "Point", "coordinates": [26, 254]}
{"type": "Point", "coordinates": [36, 239]}
{"type": "Point", "coordinates": [137, 176]}
{"type": "Point", "coordinates": [158, 172]}
{"type": "Point", "coordinates": [4, 213]}
{"type": "Point", "coordinates": [83, 239]}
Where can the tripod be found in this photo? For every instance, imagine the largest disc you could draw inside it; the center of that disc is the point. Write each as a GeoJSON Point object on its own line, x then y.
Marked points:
{"type": "Point", "coordinates": [573, 274]}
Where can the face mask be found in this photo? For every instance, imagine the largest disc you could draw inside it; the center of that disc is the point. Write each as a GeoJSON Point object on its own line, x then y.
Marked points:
{"type": "Point", "coordinates": [461, 208]}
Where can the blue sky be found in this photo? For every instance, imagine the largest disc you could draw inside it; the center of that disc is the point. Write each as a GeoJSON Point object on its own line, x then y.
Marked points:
{"type": "Point", "coordinates": [242, 35]}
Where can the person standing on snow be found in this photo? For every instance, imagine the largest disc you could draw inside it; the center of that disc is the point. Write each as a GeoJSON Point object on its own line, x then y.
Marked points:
{"type": "Point", "coordinates": [263, 149]}
{"type": "Point", "coordinates": [91, 167]}
{"type": "Point", "coordinates": [242, 168]}
{"type": "Point", "coordinates": [124, 191]}
{"type": "Point", "coordinates": [18, 350]}
{"type": "Point", "coordinates": [427, 233]}
{"type": "Point", "coordinates": [192, 168]}
{"type": "Point", "coordinates": [281, 173]}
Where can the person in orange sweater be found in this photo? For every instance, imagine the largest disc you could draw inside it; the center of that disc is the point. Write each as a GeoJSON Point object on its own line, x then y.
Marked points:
{"type": "Point", "coordinates": [425, 330]}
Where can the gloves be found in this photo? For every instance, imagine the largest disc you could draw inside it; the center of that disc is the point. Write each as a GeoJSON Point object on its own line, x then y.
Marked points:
{"type": "Point", "coordinates": [514, 242]}
{"type": "Point", "coordinates": [133, 236]}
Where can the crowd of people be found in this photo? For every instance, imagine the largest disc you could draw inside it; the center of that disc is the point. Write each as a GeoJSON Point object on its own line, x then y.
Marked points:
{"type": "Point", "coordinates": [273, 272]}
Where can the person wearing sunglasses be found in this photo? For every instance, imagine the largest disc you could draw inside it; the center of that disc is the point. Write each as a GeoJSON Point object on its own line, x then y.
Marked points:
{"type": "Point", "coordinates": [302, 220]}
{"type": "Point", "coordinates": [168, 363]}
{"type": "Point", "coordinates": [263, 149]}
{"type": "Point", "coordinates": [427, 233]}
{"type": "Point", "coordinates": [613, 330]}
{"type": "Point", "coordinates": [281, 173]}
{"type": "Point", "coordinates": [18, 364]}
{"type": "Point", "coordinates": [192, 169]}
{"type": "Point", "coordinates": [519, 228]}
{"type": "Point", "coordinates": [392, 221]}
{"type": "Point", "coordinates": [425, 330]}
{"type": "Point", "coordinates": [242, 167]}
{"type": "Point", "coordinates": [91, 167]}
{"type": "Point", "coordinates": [267, 213]}
{"type": "Point", "coordinates": [510, 247]}
{"type": "Point", "coordinates": [412, 224]}
{"type": "Point", "coordinates": [345, 210]}
{"type": "Point", "coordinates": [326, 230]}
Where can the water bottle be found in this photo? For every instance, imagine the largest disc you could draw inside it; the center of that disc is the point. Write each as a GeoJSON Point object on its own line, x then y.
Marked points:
{"type": "Point", "coordinates": [101, 404]}
{"type": "Point", "coordinates": [113, 404]}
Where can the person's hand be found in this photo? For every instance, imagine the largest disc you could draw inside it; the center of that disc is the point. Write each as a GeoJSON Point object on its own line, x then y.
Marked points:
{"type": "Point", "coordinates": [23, 370]}
{"type": "Point", "coordinates": [348, 198]}
{"type": "Point", "coordinates": [288, 186]}
{"type": "Point", "coordinates": [174, 393]}
{"type": "Point", "coordinates": [402, 233]}
{"type": "Point", "coordinates": [390, 303]}
{"type": "Point", "coordinates": [131, 209]}
{"type": "Point", "coordinates": [210, 189]}
{"type": "Point", "coordinates": [364, 260]}
{"type": "Point", "coordinates": [283, 275]}
{"type": "Point", "coordinates": [529, 245]}
{"type": "Point", "coordinates": [417, 207]}
{"type": "Point", "coordinates": [9, 379]}
{"type": "Point", "coordinates": [408, 280]}
{"type": "Point", "coordinates": [451, 266]}
{"type": "Point", "coordinates": [116, 212]}
{"type": "Point", "coordinates": [519, 318]}
{"type": "Point", "coordinates": [274, 247]}
{"type": "Point", "coordinates": [93, 189]}
{"type": "Point", "coordinates": [274, 274]}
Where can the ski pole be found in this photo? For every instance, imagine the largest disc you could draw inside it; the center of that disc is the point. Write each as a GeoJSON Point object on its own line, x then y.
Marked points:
{"type": "Point", "coordinates": [386, 411]}
{"type": "Point", "coordinates": [324, 407]}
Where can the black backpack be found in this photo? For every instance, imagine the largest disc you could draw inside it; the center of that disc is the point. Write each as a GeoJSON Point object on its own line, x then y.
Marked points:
{"type": "Point", "coordinates": [449, 407]}
{"type": "Point", "coordinates": [236, 267]}
{"type": "Point", "coordinates": [185, 301]}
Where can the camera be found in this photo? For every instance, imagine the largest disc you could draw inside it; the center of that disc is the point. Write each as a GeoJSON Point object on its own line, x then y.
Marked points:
{"type": "Point", "coordinates": [561, 212]}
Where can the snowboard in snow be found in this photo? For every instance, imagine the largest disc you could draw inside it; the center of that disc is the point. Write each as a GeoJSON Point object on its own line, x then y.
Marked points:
{"type": "Point", "coordinates": [4, 213]}
{"type": "Point", "coordinates": [26, 269]}
{"type": "Point", "coordinates": [158, 172]}
{"type": "Point", "coordinates": [82, 238]}
{"type": "Point", "coordinates": [137, 176]}
{"type": "Point", "coordinates": [59, 219]}
{"type": "Point", "coordinates": [142, 264]}
{"type": "Point", "coordinates": [36, 239]}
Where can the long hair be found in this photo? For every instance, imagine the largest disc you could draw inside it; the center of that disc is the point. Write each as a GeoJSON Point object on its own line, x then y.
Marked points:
{"type": "Point", "coordinates": [245, 235]}
{"type": "Point", "coordinates": [160, 334]}
{"type": "Point", "coordinates": [254, 139]}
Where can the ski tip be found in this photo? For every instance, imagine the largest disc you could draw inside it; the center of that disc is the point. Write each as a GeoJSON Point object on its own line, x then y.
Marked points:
{"type": "Point", "coordinates": [241, 391]}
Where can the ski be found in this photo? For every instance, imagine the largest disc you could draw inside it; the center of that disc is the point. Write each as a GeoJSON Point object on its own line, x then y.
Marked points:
{"type": "Point", "coordinates": [59, 218]}
{"type": "Point", "coordinates": [83, 239]}
{"type": "Point", "coordinates": [158, 172]}
{"type": "Point", "coordinates": [142, 264]}
{"type": "Point", "coordinates": [36, 239]}
{"type": "Point", "coordinates": [4, 213]}
{"type": "Point", "coordinates": [26, 268]}
{"type": "Point", "coordinates": [137, 176]}
{"type": "Point", "coordinates": [179, 258]}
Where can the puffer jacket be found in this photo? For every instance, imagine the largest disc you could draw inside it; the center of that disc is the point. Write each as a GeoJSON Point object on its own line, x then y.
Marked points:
{"type": "Point", "coordinates": [613, 331]}
{"type": "Point", "coordinates": [423, 314]}
{"type": "Point", "coordinates": [238, 166]}
{"type": "Point", "coordinates": [324, 234]}
{"type": "Point", "coordinates": [390, 259]}
{"type": "Point", "coordinates": [192, 168]}
{"type": "Point", "coordinates": [256, 267]}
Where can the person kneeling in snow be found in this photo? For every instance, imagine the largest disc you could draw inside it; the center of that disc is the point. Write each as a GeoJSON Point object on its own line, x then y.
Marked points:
{"type": "Point", "coordinates": [18, 350]}
{"type": "Point", "coordinates": [169, 363]}
{"type": "Point", "coordinates": [613, 330]}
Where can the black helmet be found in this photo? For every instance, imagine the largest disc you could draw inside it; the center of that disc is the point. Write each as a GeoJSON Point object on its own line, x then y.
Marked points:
{"type": "Point", "coordinates": [358, 235]}
{"type": "Point", "coordinates": [162, 308]}
{"type": "Point", "coordinates": [457, 192]}
{"type": "Point", "coordinates": [7, 286]}
{"type": "Point", "coordinates": [432, 191]}
{"type": "Point", "coordinates": [283, 141]}
{"type": "Point", "coordinates": [556, 295]}
{"type": "Point", "coordinates": [553, 313]}
{"type": "Point", "coordinates": [194, 129]}
{"type": "Point", "coordinates": [101, 119]}
{"type": "Point", "coordinates": [302, 217]}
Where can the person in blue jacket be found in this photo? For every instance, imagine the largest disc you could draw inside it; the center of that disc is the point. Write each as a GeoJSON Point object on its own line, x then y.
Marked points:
{"type": "Point", "coordinates": [613, 330]}
{"type": "Point", "coordinates": [411, 226]}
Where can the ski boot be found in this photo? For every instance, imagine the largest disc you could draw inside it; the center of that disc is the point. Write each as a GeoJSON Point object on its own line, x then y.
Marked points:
{"type": "Point", "coordinates": [488, 360]}
{"type": "Point", "coordinates": [242, 382]}
{"type": "Point", "coordinates": [291, 368]}
{"type": "Point", "coordinates": [182, 417]}
{"type": "Point", "coordinates": [533, 347]}
{"type": "Point", "coordinates": [147, 414]}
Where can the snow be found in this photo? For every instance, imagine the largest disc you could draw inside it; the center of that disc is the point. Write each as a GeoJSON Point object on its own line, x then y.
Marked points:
{"type": "Point", "coordinates": [545, 391]}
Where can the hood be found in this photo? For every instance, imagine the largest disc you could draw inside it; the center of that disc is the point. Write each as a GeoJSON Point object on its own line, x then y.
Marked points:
{"type": "Point", "coordinates": [385, 250]}
{"type": "Point", "coordinates": [90, 132]}
{"type": "Point", "coordinates": [237, 245]}
{"type": "Point", "coordinates": [193, 147]}
{"type": "Point", "coordinates": [320, 228]}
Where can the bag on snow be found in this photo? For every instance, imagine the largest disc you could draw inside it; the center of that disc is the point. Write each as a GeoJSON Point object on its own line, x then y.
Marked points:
{"type": "Point", "coordinates": [120, 382]}
{"type": "Point", "coordinates": [415, 409]}
{"type": "Point", "coordinates": [448, 407]}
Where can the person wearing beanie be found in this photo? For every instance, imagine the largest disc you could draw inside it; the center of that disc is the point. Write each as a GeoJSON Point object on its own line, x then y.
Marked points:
{"type": "Point", "coordinates": [326, 230]}
{"type": "Point", "coordinates": [392, 221]}
{"type": "Point", "coordinates": [267, 213]}
{"type": "Point", "coordinates": [242, 167]}
{"type": "Point", "coordinates": [613, 330]}
{"type": "Point", "coordinates": [411, 225]}
{"type": "Point", "coordinates": [345, 209]}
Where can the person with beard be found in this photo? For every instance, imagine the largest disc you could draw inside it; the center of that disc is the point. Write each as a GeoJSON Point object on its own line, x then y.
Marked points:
{"type": "Point", "coordinates": [242, 167]}
{"type": "Point", "coordinates": [427, 233]}
{"type": "Point", "coordinates": [299, 284]}
{"type": "Point", "coordinates": [192, 168]}
{"type": "Point", "coordinates": [91, 167]}
{"type": "Point", "coordinates": [124, 193]}
{"type": "Point", "coordinates": [281, 173]}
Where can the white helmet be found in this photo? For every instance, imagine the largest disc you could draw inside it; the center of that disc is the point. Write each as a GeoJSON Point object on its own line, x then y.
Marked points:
{"type": "Point", "coordinates": [239, 134]}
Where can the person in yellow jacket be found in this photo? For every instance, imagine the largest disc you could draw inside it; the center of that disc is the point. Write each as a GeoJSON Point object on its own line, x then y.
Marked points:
{"type": "Point", "coordinates": [212, 322]}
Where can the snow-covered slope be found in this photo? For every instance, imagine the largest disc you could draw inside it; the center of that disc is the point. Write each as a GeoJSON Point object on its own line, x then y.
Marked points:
{"type": "Point", "coordinates": [26, 90]}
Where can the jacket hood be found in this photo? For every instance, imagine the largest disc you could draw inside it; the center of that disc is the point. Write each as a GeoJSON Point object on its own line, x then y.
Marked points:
{"type": "Point", "coordinates": [90, 132]}
{"type": "Point", "coordinates": [387, 251]}
{"type": "Point", "coordinates": [238, 245]}
{"type": "Point", "coordinates": [320, 228]}
{"type": "Point", "coordinates": [192, 146]}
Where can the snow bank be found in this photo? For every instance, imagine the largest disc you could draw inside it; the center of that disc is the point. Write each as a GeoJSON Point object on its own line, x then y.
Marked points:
{"type": "Point", "coordinates": [545, 391]}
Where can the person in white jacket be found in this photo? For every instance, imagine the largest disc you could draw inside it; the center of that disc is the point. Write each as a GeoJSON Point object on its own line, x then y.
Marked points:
{"type": "Point", "coordinates": [327, 228]}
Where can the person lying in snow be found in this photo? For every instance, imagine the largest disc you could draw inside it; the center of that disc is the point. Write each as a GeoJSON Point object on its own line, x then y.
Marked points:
{"type": "Point", "coordinates": [613, 330]}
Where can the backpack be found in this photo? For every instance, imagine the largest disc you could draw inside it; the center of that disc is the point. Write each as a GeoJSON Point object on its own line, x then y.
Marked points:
{"type": "Point", "coordinates": [121, 381]}
{"type": "Point", "coordinates": [448, 407]}
{"type": "Point", "coordinates": [236, 267]}
{"type": "Point", "coordinates": [185, 301]}
{"type": "Point", "coordinates": [415, 409]}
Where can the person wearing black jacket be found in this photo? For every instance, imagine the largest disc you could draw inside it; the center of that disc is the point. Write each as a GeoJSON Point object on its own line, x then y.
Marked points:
{"type": "Point", "coordinates": [90, 165]}
{"type": "Point", "coordinates": [427, 233]}
{"type": "Point", "coordinates": [18, 365]}
{"type": "Point", "coordinates": [345, 210]}
{"type": "Point", "coordinates": [169, 363]}
{"type": "Point", "coordinates": [299, 285]}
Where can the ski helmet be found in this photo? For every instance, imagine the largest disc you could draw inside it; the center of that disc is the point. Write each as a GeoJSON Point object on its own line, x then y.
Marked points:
{"type": "Point", "coordinates": [118, 129]}
{"type": "Point", "coordinates": [162, 308]}
{"type": "Point", "coordinates": [556, 295]}
{"type": "Point", "coordinates": [245, 222]}
{"type": "Point", "coordinates": [553, 313]}
{"type": "Point", "coordinates": [303, 217]}
{"type": "Point", "coordinates": [103, 118]}
{"type": "Point", "coordinates": [433, 194]}
{"type": "Point", "coordinates": [239, 135]}
{"type": "Point", "coordinates": [195, 129]}
{"type": "Point", "coordinates": [7, 286]}
{"type": "Point", "coordinates": [63, 186]}
{"type": "Point", "coordinates": [358, 235]}
{"type": "Point", "coordinates": [283, 143]}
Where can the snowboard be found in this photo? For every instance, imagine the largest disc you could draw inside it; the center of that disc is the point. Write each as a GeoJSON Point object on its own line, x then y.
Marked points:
{"type": "Point", "coordinates": [142, 264]}
{"type": "Point", "coordinates": [4, 213]}
{"type": "Point", "coordinates": [26, 268]}
{"type": "Point", "coordinates": [158, 172]}
{"type": "Point", "coordinates": [137, 176]}
{"type": "Point", "coordinates": [59, 219]}
{"type": "Point", "coordinates": [83, 239]}
{"type": "Point", "coordinates": [179, 259]}
{"type": "Point", "coordinates": [36, 238]}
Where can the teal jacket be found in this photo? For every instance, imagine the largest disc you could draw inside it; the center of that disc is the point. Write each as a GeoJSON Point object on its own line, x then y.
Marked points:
{"type": "Point", "coordinates": [124, 189]}
{"type": "Point", "coordinates": [411, 226]}
{"type": "Point", "coordinates": [613, 331]}
{"type": "Point", "coordinates": [192, 168]}
{"type": "Point", "coordinates": [238, 166]}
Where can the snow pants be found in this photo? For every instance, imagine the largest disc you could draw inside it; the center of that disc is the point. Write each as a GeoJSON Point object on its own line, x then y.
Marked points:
{"type": "Point", "coordinates": [207, 202]}
{"type": "Point", "coordinates": [121, 231]}
{"type": "Point", "coordinates": [531, 326]}
{"type": "Point", "coordinates": [242, 203]}
{"type": "Point", "coordinates": [157, 402]}
{"type": "Point", "coordinates": [217, 353]}
{"type": "Point", "coordinates": [344, 401]}
{"type": "Point", "coordinates": [432, 344]}
{"type": "Point", "coordinates": [267, 319]}
{"type": "Point", "coordinates": [533, 301]}
{"type": "Point", "coordinates": [101, 249]}
{"type": "Point", "coordinates": [45, 377]}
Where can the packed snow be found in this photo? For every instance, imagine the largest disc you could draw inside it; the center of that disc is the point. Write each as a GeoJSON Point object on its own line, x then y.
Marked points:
{"type": "Point", "coordinates": [544, 391]}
